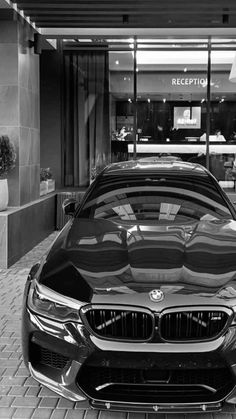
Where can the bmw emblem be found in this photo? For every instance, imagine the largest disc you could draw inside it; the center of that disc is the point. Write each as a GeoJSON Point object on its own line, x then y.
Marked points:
{"type": "Point", "coordinates": [156, 295]}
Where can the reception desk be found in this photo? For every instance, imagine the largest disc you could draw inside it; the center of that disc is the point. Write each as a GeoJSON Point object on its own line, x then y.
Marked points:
{"type": "Point", "coordinates": [184, 148]}
{"type": "Point", "coordinates": [221, 155]}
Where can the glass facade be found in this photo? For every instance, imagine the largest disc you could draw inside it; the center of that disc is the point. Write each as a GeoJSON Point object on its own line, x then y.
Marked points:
{"type": "Point", "coordinates": [164, 96]}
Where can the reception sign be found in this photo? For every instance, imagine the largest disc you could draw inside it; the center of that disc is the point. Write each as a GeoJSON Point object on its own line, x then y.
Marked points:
{"type": "Point", "coordinates": [171, 82]}
{"type": "Point", "coordinates": [189, 81]}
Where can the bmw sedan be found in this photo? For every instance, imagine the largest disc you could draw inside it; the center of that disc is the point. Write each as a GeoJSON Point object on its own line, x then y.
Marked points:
{"type": "Point", "coordinates": [134, 305]}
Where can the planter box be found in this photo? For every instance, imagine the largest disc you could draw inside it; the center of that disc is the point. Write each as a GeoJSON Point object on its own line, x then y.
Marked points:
{"type": "Point", "coordinates": [47, 186]}
{"type": "Point", "coordinates": [43, 188]}
{"type": "Point", "coordinates": [50, 185]}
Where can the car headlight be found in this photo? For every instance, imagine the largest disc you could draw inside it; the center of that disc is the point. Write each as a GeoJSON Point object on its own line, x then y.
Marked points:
{"type": "Point", "coordinates": [46, 302]}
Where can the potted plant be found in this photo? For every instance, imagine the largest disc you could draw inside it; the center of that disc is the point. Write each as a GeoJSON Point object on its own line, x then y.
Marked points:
{"type": "Point", "coordinates": [7, 163]}
{"type": "Point", "coordinates": [47, 184]}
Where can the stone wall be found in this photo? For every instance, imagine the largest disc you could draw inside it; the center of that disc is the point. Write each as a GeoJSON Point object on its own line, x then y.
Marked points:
{"type": "Point", "coordinates": [19, 108]}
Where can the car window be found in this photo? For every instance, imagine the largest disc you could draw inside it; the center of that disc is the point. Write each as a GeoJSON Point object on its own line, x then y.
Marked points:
{"type": "Point", "coordinates": [175, 199]}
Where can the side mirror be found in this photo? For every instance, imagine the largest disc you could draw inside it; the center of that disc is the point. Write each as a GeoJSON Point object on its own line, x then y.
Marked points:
{"type": "Point", "coordinates": [69, 206]}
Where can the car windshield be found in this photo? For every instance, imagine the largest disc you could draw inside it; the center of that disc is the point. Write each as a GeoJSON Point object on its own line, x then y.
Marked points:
{"type": "Point", "coordinates": [164, 198]}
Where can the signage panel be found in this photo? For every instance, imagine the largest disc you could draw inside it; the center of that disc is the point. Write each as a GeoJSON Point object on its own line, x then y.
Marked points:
{"type": "Point", "coordinates": [187, 117]}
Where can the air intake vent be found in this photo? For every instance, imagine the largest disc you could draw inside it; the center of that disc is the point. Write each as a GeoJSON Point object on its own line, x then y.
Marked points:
{"type": "Point", "coordinates": [120, 324]}
{"type": "Point", "coordinates": [192, 325]}
{"type": "Point", "coordinates": [48, 358]}
{"type": "Point", "coordinates": [155, 385]}
{"type": "Point", "coordinates": [53, 359]}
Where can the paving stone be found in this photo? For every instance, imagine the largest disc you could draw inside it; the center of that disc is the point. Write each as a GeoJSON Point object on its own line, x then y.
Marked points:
{"type": "Point", "coordinates": [65, 404]}
{"type": "Point", "coordinates": [12, 381]}
{"type": "Point", "coordinates": [10, 363]}
{"type": "Point", "coordinates": [25, 402]}
{"type": "Point", "coordinates": [114, 415]}
{"type": "Point", "coordinates": [32, 391]}
{"type": "Point", "coordinates": [48, 402]}
{"type": "Point", "coordinates": [22, 372]}
{"type": "Point", "coordinates": [75, 414]}
{"type": "Point", "coordinates": [6, 413]}
{"type": "Point", "coordinates": [5, 355]}
{"type": "Point", "coordinates": [6, 401]}
{"type": "Point", "coordinates": [23, 413]}
{"type": "Point", "coordinates": [82, 405]}
{"type": "Point", "coordinates": [58, 414]}
{"type": "Point", "coordinates": [4, 390]}
{"type": "Point", "coordinates": [10, 348]}
{"type": "Point", "coordinates": [46, 392]}
{"type": "Point", "coordinates": [5, 341]}
{"type": "Point", "coordinates": [9, 372]}
{"type": "Point", "coordinates": [15, 355]}
{"type": "Point", "coordinates": [42, 413]}
{"type": "Point", "coordinates": [31, 382]}
{"type": "Point", "coordinates": [91, 414]}
{"type": "Point", "coordinates": [18, 391]}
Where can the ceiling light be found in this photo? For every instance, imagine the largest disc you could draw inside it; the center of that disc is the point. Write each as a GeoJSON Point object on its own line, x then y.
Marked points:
{"type": "Point", "coordinates": [149, 100]}
{"type": "Point", "coordinates": [183, 57]}
{"type": "Point", "coordinates": [117, 62]}
{"type": "Point", "coordinates": [185, 69]}
{"type": "Point", "coordinates": [164, 100]}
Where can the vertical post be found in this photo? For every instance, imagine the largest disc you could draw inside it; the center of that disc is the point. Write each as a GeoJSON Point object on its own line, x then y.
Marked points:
{"type": "Point", "coordinates": [135, 100]}
{"type": "Point", "coordinates": [62, 75]}
{"type": "Point", "coordinates": [208, 113]}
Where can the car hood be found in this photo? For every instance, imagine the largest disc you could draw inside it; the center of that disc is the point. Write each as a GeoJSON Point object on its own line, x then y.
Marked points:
{"type": "Point", "coordinates": [107, 262]}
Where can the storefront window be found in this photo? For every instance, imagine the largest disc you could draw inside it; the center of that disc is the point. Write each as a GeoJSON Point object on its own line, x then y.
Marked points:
{"type": "Point", "coordinates": [171, 99]}
{"type": "Point", "coordinates": [223, 115]}
{"type": "Point", "coordinates": [121, 70]}
{"type": "Point", "coordinates": [131, 98]}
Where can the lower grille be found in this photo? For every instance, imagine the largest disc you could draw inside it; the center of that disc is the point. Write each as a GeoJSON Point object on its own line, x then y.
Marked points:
{"type": "Point", "coordinates": [120, 324]}
{"type": "Point", "coordinates": [155, 386]}
{"type": "Point", "coordinates": [192, 325]}
{"type": "Point", "coordinates": [48, 358]}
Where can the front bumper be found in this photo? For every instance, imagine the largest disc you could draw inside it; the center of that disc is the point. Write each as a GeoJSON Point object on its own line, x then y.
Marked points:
{"type": "Point", "coordinates": [69, 360]}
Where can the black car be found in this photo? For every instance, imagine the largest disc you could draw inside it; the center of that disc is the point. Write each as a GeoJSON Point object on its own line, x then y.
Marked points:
{"type": "Point", "coordinates": [133, 307]}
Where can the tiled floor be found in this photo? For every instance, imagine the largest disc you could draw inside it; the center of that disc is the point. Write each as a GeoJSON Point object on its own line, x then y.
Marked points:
{"type": "Point", "coordinates": [20, 395]}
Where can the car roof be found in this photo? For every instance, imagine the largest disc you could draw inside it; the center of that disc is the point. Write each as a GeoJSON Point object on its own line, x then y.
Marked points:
{"type": "Point", "coordinates": [155, 166]}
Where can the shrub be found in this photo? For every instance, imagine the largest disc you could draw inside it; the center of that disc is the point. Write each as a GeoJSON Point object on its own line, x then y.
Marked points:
{"type": "Point", "coordinates": [7, 156]}
{"type": "Point", "coordinates": [45, 174]}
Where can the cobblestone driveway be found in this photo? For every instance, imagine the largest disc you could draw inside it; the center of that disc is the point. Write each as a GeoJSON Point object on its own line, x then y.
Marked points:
{"type": "Point", "coordinates": [20, 395]}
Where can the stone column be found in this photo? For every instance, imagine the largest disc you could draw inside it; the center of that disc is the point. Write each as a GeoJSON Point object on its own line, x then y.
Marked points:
{"type": "Point", "coordinates": [19, 108]}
